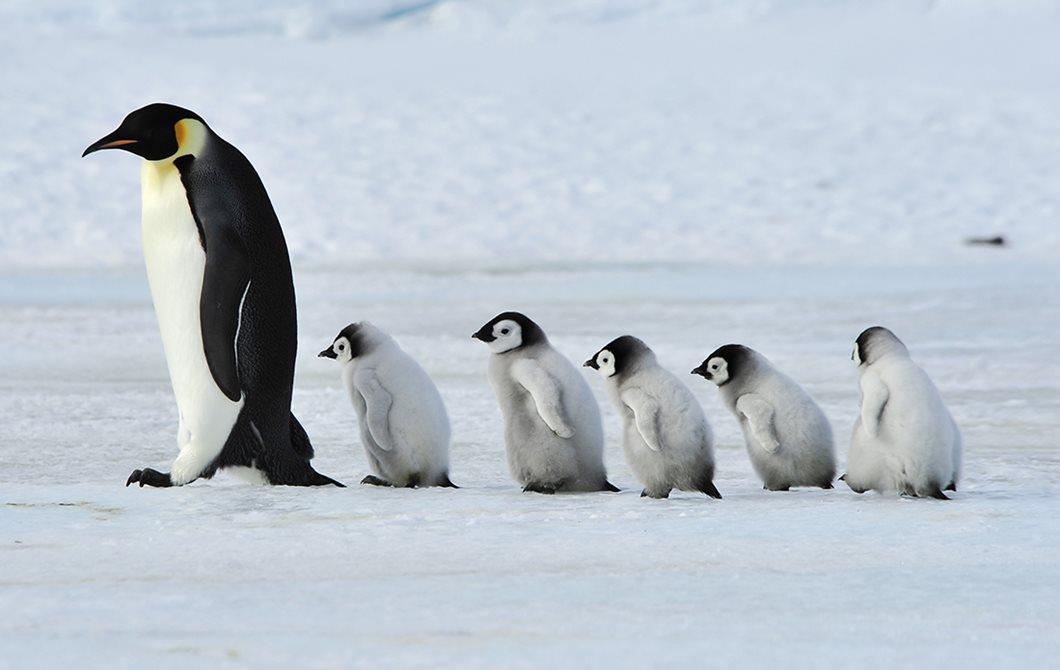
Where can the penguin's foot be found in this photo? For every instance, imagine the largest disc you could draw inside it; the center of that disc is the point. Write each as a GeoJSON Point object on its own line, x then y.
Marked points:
{"type": "Point", "coordinates": [658, 495]}
{"type": "Point", "coordinates": [777, 488]}
{"type": "Point", "coordinates": [149, 477]}
{"type": "Point", "coordinates": [827, 485]}
{"type": "Point", "coordinates": [547, 489]}
{"type": "Point", "coordinates": [372, 480]}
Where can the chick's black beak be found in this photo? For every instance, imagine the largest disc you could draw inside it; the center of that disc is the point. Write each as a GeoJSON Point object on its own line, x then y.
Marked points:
{"type": "Point", "coordinates": [327, 353]}
{"type": "Point", "coordinates": [700, 371]}
{"type": "Point", "coordinates": [483, 334]}
{"type": "Point", "coordinates": [115, 140]}
{"type": "Point", "coordinates": [591, 363]}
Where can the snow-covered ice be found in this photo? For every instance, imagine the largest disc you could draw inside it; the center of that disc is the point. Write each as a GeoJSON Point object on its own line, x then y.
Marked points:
{"type": "Point", "coordinates": [689, 171]}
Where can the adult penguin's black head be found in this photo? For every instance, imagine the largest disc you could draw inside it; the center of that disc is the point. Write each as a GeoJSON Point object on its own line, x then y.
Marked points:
{"type": "Point", "coordinates": [508, 331]}
{"type": "Point", "coordinates": [154, 132]}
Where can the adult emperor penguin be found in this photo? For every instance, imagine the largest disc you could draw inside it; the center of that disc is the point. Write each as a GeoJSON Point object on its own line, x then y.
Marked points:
{"type": "Point", "coordinates": [221, 283]}
{"type": "Point", "coordinates": [552, 426]}
{"type": "Point", "coordinates": [400, 414]}
{"type": "Point", "coordinates": [788, 437]}
{"type": "Point", "coordinates": [666, 438]}
{"type": "Point", "coordinates": [904, 440]}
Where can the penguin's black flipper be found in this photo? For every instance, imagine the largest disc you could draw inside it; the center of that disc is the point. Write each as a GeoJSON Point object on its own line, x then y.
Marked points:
{"type": "Point", "coordinates": [149, 477]}
{"type": "Point", "coordinates": [225, 282]}
{"type": "Point", "coordinates": [610, 488]}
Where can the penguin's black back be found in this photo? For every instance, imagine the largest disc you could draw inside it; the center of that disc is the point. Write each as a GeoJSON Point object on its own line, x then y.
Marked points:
{"type": "Point", "coordinates": [233, 210]}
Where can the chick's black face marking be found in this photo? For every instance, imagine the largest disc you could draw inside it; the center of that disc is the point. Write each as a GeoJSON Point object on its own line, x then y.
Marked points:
{"type": "Point", "coordinates": [872, 343]}
{"type": "Point", "coordinates": [724, 364]}
{"type": "Point", "coordinates": [348, 344]}
{"type": "Point", "coordinates": [515, 327]}
{"type": "Point", "coordinates": [617, 356]}
{"type": "Point", "coordinates": [149, 132]}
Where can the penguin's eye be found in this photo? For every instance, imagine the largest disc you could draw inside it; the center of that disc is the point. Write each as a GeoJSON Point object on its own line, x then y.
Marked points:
{"type": "Point", "coordinates": [714, 366]}
{"type": "Point", "coordinates": [342, 347]}
{"type": "Point", "coordinates": [504, 331]}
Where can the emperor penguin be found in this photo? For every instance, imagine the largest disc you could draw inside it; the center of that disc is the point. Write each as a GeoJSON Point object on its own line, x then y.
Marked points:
{"type": "Point", "coordinates": [400, 414]}
{"type": "Point", "coordinates": [905, 439]}
{"type": "Point", "coordinates": [552, 426]}
{"type": "Point", "coordinates": [221, 284]}
{"type": "Point", "coordinates": [665, 435]}
{"type": "Point", "coordinates": [788, 437]}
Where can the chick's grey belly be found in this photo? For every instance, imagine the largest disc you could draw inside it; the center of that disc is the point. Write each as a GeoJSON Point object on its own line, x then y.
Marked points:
{"type": "Point", "coordinates": [536, 455]}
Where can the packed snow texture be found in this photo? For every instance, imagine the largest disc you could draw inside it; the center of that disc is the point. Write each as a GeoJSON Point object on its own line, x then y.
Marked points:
{"type": "Point", "coordinates": [693, 172]}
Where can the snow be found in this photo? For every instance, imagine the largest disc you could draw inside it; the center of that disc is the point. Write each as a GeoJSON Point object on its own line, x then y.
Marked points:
{"type": "Point", "coordinates": [691, 172]}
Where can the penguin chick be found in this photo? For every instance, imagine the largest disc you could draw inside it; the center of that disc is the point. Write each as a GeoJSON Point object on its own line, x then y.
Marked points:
{"type": "Point", "coordinates": [788, 438]}
{"type": "Point", "coordinates": [904, 439]}
{"type": "Point", "coordinates": [665, 435]}
{"type": "Point", "coordinates": [402, 420]}
{"type": "Point", "coordinates": [552, 427]}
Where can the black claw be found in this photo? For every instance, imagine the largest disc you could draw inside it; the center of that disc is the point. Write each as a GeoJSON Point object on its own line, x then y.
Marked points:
{"type": "Point", "coordinates": [539, 488]}
{"type": "Point", "coordinates": [149, 477]}
{"type": "Point", "coordinates": [372, 480]}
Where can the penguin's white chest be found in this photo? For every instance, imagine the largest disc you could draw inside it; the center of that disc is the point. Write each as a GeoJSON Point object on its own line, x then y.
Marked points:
{"type": "Point", "coordinates": [176, 261]}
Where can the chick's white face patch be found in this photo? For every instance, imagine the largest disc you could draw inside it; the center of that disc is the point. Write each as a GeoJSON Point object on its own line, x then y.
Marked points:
{"type": "Point", "coordinates": [342, 349]}
{"type": "Point", "coordinates": [605, 363]}
{"type": "Point", "coordinates": [718, 370]}
{"type": "Point", "coordinates": [856, 355]}
{"type": "Point", "coordinates": [507, 335]}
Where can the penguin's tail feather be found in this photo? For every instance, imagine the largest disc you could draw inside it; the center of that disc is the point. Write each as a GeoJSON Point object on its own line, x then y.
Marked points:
{"type": "Point", "coordinates": [445, 482]}
{"type": "Point", "coordinates": [609, 487]}
{"type": "Point", "coordinates": [707, 486]}
{"type": "Point", "coordinates": [317, 479]}
{"type": "Point", "coordinates": [304, 448]}
{"type": "Point", "coordinates": [300, 440]}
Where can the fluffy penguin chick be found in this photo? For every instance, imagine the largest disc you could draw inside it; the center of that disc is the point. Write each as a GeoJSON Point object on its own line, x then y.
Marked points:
{"type": "Point", "coordinates": [552, 427]}
{"type": "Point", "coordinates": [401, 417]}
{"type": "Point", "coordinates": [787, 435]}
{"type": "Point", "coordinates": [666, 438]}
{"type": "Point", "coordinates": [904, 438]}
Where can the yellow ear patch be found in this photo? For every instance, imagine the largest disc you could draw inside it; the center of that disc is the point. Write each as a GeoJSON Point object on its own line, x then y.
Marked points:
{"type": "Point", "coordinates": [180, 131]}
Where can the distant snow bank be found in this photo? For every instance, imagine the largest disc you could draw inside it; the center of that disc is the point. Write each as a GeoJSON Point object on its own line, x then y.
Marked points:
{"type": "Point", "coordinates": [495, 133]}
{"type": "Point", "coordinates": [314, 19]}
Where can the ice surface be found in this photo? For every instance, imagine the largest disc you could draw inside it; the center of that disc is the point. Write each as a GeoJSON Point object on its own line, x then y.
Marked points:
{"type": "Point", "coordinates": [692, 172]}
{"type": "Point", "coordinates": [225, 574]}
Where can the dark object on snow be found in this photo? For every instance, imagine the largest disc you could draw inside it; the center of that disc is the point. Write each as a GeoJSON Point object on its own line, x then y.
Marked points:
{"type": "Point", "coordinates": [987, 241]}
